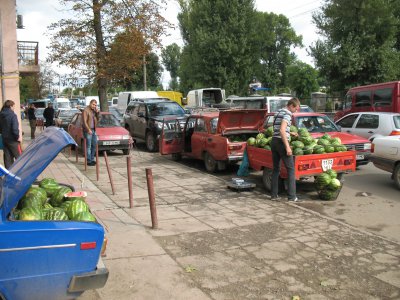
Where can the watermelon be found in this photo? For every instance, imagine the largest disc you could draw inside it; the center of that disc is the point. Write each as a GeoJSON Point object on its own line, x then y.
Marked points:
{"type": "Point", "coordinates": [326, 195]}
{"type": "Point", "coordinates": [318, 149]}
{"type": "Point", "coordinates": [267, 147]}
{"type": "Point", "coordinates": [332, 173]}
{"type": "Point", "coordinates": [307, 150]}
{"type": "Point", "coordinates": [32, 201]}
{"type": "Point", "coordinates": [293, 128]}
{"type": "Point", "coordinates": [47, 206]}
{"type": "Point", "coordinates": [298, 151]}
{"type": "Point", "coordinates": [30, 214]}
{"type": "Point", "coordinates": [47, 181]}
{"type": "Point", "coordinates": [263, 142]}
{"type": "Point", "coordinates": [260, 136]}
{"type": "Point", "coordinates": [336, 140]}
{"type": "Point", "coordinates": [56, 214]}
{"type": "Point", "coordinates": [334, 184]}
{"type": "Point", "coordinates": [323, 180]}
{"type": "Point", "coordinates": [326, 137]}
{"type": "Point", "coordinates": [37, 192]}
{"type": "Point", "coordinates": [251, 141]}
{"type": "Point", "coordinates": [85, 216]}
{"type": "Point", "coordinates": [307, 140]}
{"type": "Point", "coordinates": [297, 144]}
{"type": "Point", "coordinates": [76, 207]}
{"type": "Point", "coordinates": [269, 131]}
{"type": "Point", "coordinates": [329, 149]}
{"type": "Point", "coordinates": [58, 197]}
{"type": "Point", "coordinates": [51, 189]}
{"type": "Point", "coordinates": [323, 142]}
{"type": "Point", "coordinates": [65, 205]}
{"type": "Point", "coordinates": [303, 132]}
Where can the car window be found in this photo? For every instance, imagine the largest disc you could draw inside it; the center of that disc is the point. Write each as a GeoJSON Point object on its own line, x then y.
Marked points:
{"type": "Point", "coordinates": [347, 101]}
{"type": "Point", "coordinates": [129, 109]}
{"type": "Point", "coordinates": [142, 109]}
{"type": "Point", "coordinates": [396, 120]}
{"type": "Point", "coordinates": [348, 121]}
{"type": "Point", "coordinates": [214, 123]}
{"type": "Point", "coordinates": [200, 126]}
{"type": "Point", "coordinates": [108, 120]}
{"type": "Point", "coordinates": [165, 109]}
{"type": "Point", "coordinates": [368, 121]}
{"type": "Point", "coordinates": [363, 99]}
{"type": "Point", "coordinates": [383, 97]}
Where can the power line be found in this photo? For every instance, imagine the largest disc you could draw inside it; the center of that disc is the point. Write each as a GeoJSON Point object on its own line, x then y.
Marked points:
{"type": "Point", "coordinates": [303, 13]}
{"type": "Point", "coordinates": [301, 6]}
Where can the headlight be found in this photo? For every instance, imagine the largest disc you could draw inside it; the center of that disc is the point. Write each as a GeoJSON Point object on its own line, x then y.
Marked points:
{"type": "Point", "coordinates": [159, 125]}
{"type": "Point", "coordinates": [125, 137]}
{"type": "Point", "coordinates": [367, 146]}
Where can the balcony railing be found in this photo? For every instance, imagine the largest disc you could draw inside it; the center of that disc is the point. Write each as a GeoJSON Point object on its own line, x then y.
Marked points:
{"type": "Point", "coordinates": [28, 56]}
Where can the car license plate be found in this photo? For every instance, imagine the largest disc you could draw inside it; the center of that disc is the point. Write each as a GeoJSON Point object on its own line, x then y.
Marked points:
{"type": "Point", "coordinates": [359, 156]}
{"type": "Point", "coordinates": [111, 142]}
{"type": "Point", "coordinates": [327, 164]}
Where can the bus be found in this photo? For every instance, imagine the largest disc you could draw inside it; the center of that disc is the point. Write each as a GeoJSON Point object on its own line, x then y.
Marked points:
{"type": "Point", "coordinates": [380, 97]}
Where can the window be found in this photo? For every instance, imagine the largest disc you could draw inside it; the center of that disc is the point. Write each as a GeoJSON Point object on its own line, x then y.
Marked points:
{"type": "Point", "coordinates": [363, 99]}
{"type": "Point", "coordinates": [200, 126]}
{"type": "Point", "coordinates": [348, 121]}
{"type": "Point", "coordinates": [142, 110]}
{"type": "Point", "coordinates": [396, 120]}
{"type": "Point", "coordinates": [348, 101]}
{"type": "Point", "coordinates": [383, 97]}
{"type": "Point", "coordinates": [368, 121]}
{"type": "Point", "coordinates": [214, 123]}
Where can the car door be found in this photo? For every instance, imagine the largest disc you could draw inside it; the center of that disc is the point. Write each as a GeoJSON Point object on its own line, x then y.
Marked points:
{"type": "Point", "coordinates": [347, 123]}
{"type": "Point", "coordinates": [128, 117]}
{"type": "Point", "coordinates": [75, 128]}
{"type": "Point", "coordinates": [171, 138]}
{"type": "Point", "coordinates": [366, 125]}
{"type": "Point", "coordinates": [140, 122]}
{"type": "Point", "coordinates": [199, 137]}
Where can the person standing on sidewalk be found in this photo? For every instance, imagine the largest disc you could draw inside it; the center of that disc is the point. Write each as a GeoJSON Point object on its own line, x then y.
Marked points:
{"type": "Point", "coordinates": [9, 129]}
{"type": "Point", "coordinates": [32, 119]}
{"type": "Point", "coordinates": [90, 117]}
{"type": "Point", "coordinates": [281, 149]}
{"type": "Point", "coordinates": [48, 114]}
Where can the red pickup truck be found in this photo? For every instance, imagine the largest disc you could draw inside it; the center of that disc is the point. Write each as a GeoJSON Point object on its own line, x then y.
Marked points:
{"type": "Point", "coordinates": [218, 138]}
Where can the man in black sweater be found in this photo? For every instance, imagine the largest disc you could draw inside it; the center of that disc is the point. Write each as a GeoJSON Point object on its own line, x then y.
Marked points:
{"type": "Point", "coordinates": [32, 119]}
{"type": "Point", "coordinates": [48, 114]}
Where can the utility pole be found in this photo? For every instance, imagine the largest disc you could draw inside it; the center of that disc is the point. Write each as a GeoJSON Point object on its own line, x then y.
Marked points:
{"type": "Point", "coordinates": [144, 73]}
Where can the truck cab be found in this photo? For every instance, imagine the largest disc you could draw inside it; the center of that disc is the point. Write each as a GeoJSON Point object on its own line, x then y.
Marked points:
{"type": "Point", "coordinates": [207, 97]}
{"type": "Point", "coordinates": [45, 259]}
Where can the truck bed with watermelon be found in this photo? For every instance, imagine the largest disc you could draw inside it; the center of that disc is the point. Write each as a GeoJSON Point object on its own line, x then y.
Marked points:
{"type": "Point", "coordinates": [312, 157]}
{"type": "Point", "coordinates": [50, 243]}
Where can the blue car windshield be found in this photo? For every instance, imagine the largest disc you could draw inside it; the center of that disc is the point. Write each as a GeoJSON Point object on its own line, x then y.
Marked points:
{"type": "Point", "coordinates": [108, 120]}
{"type": "Point", "coordinates": [316, 124]}
{"type": "Point", "coordinates": [165, 109]}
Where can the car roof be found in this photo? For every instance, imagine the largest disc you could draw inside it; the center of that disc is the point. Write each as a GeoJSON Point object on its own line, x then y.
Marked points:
{"type": "Point", "coordinates": [387, 113]}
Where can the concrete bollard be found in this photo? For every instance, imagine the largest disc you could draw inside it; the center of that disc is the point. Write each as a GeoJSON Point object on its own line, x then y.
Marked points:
{"type": "Point", "coordinates": [129, 171]}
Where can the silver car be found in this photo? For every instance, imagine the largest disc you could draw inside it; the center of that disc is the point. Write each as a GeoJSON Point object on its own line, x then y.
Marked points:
{"type": "Point", "coordinates": [370, 124]}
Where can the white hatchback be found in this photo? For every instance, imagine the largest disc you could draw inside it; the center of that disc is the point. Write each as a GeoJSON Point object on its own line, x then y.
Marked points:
{"type": "Point", "coordinates": [370, 124]}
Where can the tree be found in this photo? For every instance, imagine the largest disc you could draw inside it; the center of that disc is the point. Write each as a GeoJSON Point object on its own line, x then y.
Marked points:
{"type": "Point", "coordinates": [273, 39]}
{"type": "Point", "coordinates": [359, 42]}
{"type": "Point", "coordinates": [216, 51]}
{"type": "Point", "coordinates": [105, 39]}
{"type": "Point", "coordinates": [302, 78]}
{"type": "Point", "coordinates": [171, 56]}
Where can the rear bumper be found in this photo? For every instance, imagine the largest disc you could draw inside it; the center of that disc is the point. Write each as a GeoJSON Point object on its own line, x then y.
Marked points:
{"type": "Point", "coordinates": [89, 281]}
{"type": "Point", "coordinates": [235, 157]}
{"type": "Point", "coordinates": [383, 163]}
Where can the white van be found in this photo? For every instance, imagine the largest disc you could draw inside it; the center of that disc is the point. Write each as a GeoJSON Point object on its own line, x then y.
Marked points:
{"type": "Point", "coordinates": [90, 98]}
{"type": "Point", "coordinates": [209, 97]}
{"type": "Point", "coordinates": [125, 97]}
{"type": "Point", "coordinates": [61, 103]}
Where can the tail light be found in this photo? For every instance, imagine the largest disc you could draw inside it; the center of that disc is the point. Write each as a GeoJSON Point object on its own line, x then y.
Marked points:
{"type": "Point", "coordinates": [372, 147]}
{"type": "Point", "coordinates": [395, 132]}
{"type": "Point", "coordinates": [88, 245]}
{"type": "Point", "coordinates": [104, 247]}
{"type": "Point", "coordinates": [348, 162]}
{"type": "Point", "coordinates": [304, 167]}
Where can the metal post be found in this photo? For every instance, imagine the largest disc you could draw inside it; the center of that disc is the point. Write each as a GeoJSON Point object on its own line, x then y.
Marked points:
{"type": "Point", "coordinates": [97, 162]}
{"type": "Point", "coordinates": [76, 151]}
{"type": "Point", "coordinates": [85, 152]}
{"type": "Point", "coordinates": [152, 202]}
{"type": "Point", "coordinates": [109, 172]}
{"type": "Point", "coordinates": [129, 165]}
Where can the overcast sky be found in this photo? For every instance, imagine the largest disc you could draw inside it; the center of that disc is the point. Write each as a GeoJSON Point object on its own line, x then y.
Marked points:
{"type": "Point", "coordinates": [38, 14]}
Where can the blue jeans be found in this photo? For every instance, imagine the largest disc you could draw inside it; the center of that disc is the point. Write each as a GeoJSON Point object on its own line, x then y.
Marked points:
{"type": "Point", "coordinates": [91, 142]}
{"type": "Point", "coordinates": [278, 154]}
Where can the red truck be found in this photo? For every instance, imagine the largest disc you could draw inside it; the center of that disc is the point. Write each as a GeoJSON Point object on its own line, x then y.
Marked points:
{"type": "Point", "coordinates": [218, 138]}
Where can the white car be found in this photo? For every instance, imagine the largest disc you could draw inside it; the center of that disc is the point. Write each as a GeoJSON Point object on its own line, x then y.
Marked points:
{"type": "Point", "coordinates": [386, 156]}
{"type": "Point", "coordinates": [370, 124]}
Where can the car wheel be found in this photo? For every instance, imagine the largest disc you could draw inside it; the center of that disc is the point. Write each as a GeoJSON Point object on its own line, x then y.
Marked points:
{"type": "Point", "coordinates": [125, 151]}
{"type": "Point", "coordinates": [396, 175]}
{"type": "Point", "coordinates": [150, 142]}
{"type": "Point", "coordinates": [267, 179]}
{"type": "Point", "coordinates": [210, 163]}
{"type": "Point", "coordinates": [176, 156]}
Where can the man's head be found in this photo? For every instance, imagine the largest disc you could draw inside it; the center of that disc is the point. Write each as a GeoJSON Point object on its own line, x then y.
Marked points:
{"type": "Point", "coordinates": [50, 104]}
{"type": "Point", "coordinates": [9, 103]}
{"type": "Point", "coordinates": [293, 105]}
{"type": "Point", "coordinates": [93, 104]}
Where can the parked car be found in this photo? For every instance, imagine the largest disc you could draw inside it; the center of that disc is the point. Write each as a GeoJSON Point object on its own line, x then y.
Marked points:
{"type": "Point", "coordinates": [45, 259]}
{"type": "Point", "coordinates": [305, 108]}
{"type": "Point", "coordinates": [144, 119]}
{"type": "Point", "coordinates": [322, 124]}
{"type": "Point", "coordinates": [64, 116]}
{"type": "Point", "coordinates": [386, 156]}
{"type": "Point", "coordinates": [111, 135]}
{"type": "Point", "coordinates": [218, 138]}
{"type": "Point", "coordinates": [370, 124]}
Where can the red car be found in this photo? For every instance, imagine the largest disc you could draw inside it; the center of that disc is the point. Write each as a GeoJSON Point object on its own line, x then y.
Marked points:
{"type": "Point", "coordinates": [111, 136]}
{"type": "Point", "coordinates": [218, 138]}
{"type": "Point", "coordinates": [318, 124]}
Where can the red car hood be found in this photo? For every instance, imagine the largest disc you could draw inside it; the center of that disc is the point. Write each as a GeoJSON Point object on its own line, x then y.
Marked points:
{"type": "Point", "coordinates": [111, 133]}
{"type": "Point", "coordinates": [346, 138]}
{"type": "Point", "coordinates": [241, 119]}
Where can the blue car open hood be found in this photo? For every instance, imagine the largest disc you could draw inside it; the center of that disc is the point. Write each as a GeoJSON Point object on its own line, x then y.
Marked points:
{"type": "Point", "coordinates": [36, 157]}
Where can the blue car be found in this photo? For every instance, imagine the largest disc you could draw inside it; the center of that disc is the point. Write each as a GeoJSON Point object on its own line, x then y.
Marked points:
{"type": "Point", "coordinates": [45, 259]}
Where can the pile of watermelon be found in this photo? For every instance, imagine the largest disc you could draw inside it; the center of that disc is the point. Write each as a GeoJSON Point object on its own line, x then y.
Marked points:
{"type": "Point", "coordinates": [303, 144]}
{"type": "Point", "coordinates": [328, 185]}
{"type": "Point", "coordinates": [52, 201]}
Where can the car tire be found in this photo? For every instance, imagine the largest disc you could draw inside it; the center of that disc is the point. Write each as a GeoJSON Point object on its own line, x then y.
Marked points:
{"type": "Point", "coordinates": [151, 142]}
{"type": "Point", "coordinates": [176, 156]}
{"type": "Point", "coordinates": [267, 179]}
{"type": "Point", "coordinates": [396, 176]}
{"type": "Point", "coordinates": [210, 163]}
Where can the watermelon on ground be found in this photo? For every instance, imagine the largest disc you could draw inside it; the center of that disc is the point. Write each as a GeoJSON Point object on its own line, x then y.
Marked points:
{"type": "Point", "coordinates": [332, 173]}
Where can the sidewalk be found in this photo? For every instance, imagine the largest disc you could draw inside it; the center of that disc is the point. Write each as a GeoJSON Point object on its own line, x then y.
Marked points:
{"type": "Point", "coordinates": [213, 243]}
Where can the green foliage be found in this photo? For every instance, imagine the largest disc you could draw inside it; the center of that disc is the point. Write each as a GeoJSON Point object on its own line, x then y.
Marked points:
{"type": "Point", "coordinates": [360, 44]}
{"type": "Point", "coordinates": [171, 57]}
{"type": "Point", "coordinates": [302, 78]}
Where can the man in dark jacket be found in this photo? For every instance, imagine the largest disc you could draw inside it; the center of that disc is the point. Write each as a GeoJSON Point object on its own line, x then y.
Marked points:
{"type": "Point", "coordinates": [32, 119]}
{"type": "Point", "coordinates": [48, 114]}
{"type": "Point", "coordinates": [9, 129]}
